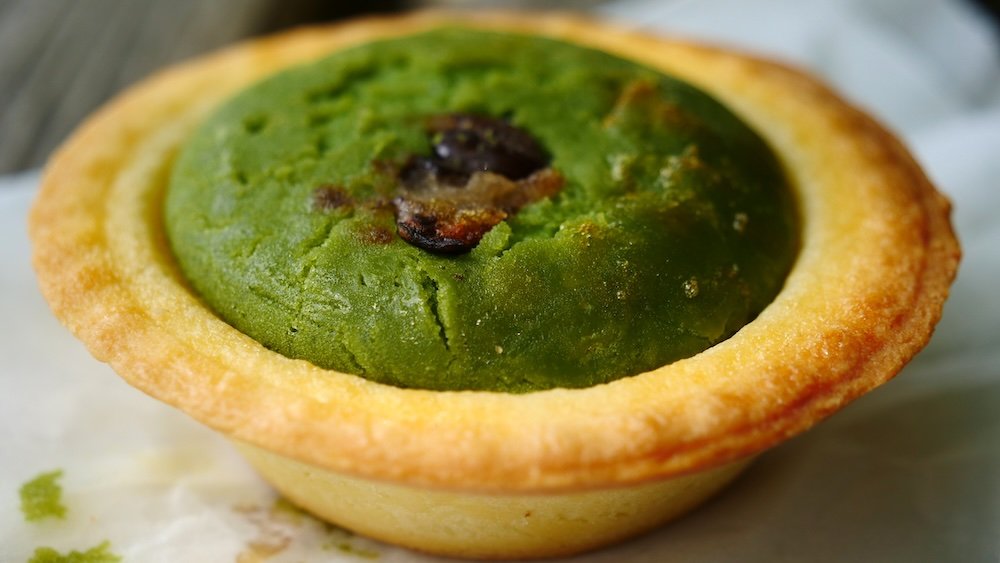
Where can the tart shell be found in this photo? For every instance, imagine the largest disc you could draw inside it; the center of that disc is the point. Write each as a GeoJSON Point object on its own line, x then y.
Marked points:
{"type": "Point", "coordinates": [877, 257]}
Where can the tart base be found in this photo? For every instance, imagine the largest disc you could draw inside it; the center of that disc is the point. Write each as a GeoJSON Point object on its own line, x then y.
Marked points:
{"type": "Point", "coordinates": [487, 526]}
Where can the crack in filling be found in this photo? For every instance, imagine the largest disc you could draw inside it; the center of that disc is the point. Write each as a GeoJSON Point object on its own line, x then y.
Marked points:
{"type": "Point", "coordinates": [482, 171]}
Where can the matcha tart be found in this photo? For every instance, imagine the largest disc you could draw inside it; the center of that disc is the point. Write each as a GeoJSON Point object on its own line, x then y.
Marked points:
{"type": "Point", "coordinates": [493, 285]}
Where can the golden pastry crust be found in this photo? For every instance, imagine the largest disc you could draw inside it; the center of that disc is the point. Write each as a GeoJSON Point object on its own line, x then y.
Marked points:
{"type": "Point", "coordinates": [878, 255]}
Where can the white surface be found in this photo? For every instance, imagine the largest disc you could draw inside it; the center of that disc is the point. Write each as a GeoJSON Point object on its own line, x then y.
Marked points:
{"type": "Point", "coordinates": [910, 472]}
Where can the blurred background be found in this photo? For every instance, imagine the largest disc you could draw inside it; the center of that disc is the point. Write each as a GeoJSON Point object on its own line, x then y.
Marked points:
{"type": "Point", "coordinates": [60, 59]}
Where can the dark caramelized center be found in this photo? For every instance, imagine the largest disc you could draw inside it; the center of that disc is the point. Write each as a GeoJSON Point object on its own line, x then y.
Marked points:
{"type": "Point", "coordinates": [481, 171]}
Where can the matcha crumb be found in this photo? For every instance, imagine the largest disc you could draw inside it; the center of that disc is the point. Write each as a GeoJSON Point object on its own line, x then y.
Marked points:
{"type": "Point", "coordinates": [357, 551]}
{"type": "Point", "coordinates": [330, 528]}
{"type": "Point", "coordinates": [41, 497]}
{"type": "Point", "coordinates": [281, 504]}
{"type": "Point", "coordinates": [98, 554]}
{"type": "Point", "coordinates": [284, 508]}
{"type": "Point", "coordinates": [350, 549]}
{"type": "Point", "coordinates": [342, 540]}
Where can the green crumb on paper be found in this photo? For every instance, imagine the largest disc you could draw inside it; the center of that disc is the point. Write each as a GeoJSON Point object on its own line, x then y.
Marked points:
{"type": "Point", "coordinates": [288, 509]}
{"type": "Point", "coordinates": [97, 554]}
{"type": "Point", "coordinates": [41, 497]}
{"type": "Point", "coordinates": [331, 529]}
{"type": "Point", "coordinates": [340, 539]}
{"type": "Point", "coordinates": [356, 551]}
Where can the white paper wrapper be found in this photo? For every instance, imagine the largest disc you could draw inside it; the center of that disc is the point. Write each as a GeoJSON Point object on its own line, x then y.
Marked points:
{"type": "Point", "coordinates": [910, 472]}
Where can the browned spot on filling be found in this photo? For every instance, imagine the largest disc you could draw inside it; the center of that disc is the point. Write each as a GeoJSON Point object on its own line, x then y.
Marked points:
{"type": "Point", "coordinates": [452, 220]}
{"type": "Point", "coordinates": [330, 197]}
{"type": "Point", "coordinates": [482, 170]}
{"type": "Point", "coordinates": [641, 100]}
{"type": "Point", "coordinates": [375, 234]}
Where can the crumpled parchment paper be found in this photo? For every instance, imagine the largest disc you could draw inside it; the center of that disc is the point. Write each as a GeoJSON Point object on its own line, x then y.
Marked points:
{"type": "Point", "coordinates": [911, 472]}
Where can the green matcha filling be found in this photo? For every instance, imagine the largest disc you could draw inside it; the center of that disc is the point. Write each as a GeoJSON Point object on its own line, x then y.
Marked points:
{"type": "Point", "coordinates": [673, 225]}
